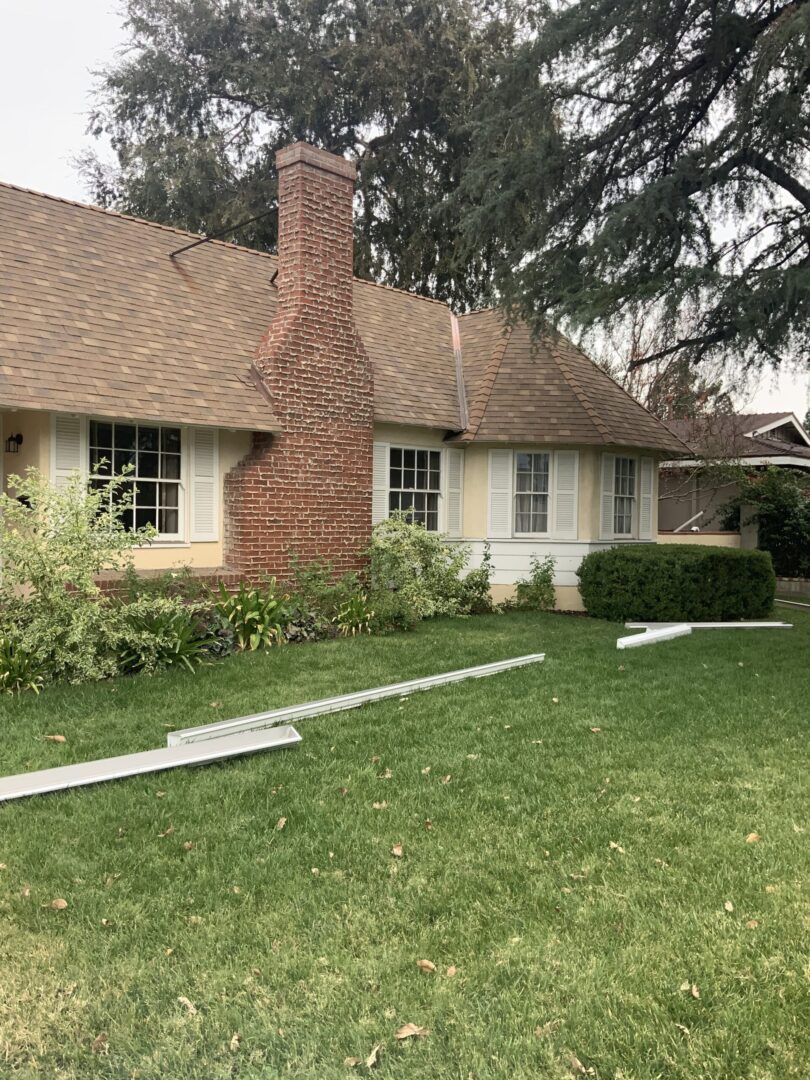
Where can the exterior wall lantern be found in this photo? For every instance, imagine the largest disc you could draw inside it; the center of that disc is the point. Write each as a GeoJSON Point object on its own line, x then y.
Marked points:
{"type": "Point", "coordinates": [13, 444]}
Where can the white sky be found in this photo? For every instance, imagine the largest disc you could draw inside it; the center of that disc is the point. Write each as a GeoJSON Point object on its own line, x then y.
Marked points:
{"type": "Point", "coordinates": [48, 49]}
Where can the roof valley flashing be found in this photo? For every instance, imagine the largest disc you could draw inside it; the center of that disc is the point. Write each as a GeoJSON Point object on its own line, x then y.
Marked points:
{"type": "Point", "coordinates": [99, 320]}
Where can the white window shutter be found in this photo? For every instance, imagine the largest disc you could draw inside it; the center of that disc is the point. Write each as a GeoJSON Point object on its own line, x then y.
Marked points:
{"type": "Point", "coordinates": [566, 476]}
{"type": "Point", "coordinates": [204, 484]}
{"type": "Point", "coordinates": [645, 499]}
{"type": "Point", "coordinates": [379, 483]}
{"type": "Point", "coordinates": [608, 490]}
{"type": "Point", "coordinates": [69, 453]}
{"type": "Point", "coordinates": [500, 493]}
{"type": "Point", "coordinates": [454, 526]}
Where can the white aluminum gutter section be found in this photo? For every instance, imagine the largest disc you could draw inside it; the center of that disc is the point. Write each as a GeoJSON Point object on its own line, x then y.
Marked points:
{"type": "Point", "coordinates": [793, 603]}
{"type": "Point", "coordinates": [149, 761]}
{"type": "Point", "coordinates": [344, 701]}
{"type": "Point", "coordinates": [689, 521]}
{"type": "Point", "coordinates": [711, 625]}
{"type": "Point", "coordinates": [650, 637]}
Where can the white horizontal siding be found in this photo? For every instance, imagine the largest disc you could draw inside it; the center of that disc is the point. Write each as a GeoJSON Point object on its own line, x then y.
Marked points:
{"type": "Point", "coordinates": [510, 558]}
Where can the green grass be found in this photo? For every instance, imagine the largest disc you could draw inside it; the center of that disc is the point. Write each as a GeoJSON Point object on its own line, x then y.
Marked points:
{"type": "Point", "coordinates": [304, 941]}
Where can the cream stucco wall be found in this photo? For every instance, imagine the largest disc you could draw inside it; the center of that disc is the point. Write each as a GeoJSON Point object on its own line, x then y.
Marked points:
{"type": "Point", "coordinates": [702, 539]}
{"type": "Point", "coordinates": [35, 428]}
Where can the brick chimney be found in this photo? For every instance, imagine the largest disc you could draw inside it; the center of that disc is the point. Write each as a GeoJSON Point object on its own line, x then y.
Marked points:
{"type": "Point", "coordinates": [307, 491]}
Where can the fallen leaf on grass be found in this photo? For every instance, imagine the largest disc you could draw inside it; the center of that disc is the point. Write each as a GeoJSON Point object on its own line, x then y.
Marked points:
{"type": "Point", "coordinates": [451, 971]}
{"type": "Point", "coordinates": [343, 791]}
{"type": "Point", "coordinates": [426, 965]}
{"type": "Point", "coordinates": [385, 775]}
{"type": "Point", "coordinates": [752, 924]}
{"type": "Point", "coordinates": [542, 1031]}
{"type": "Point", "coordinates": [578, 1068]}
{"type": "Point", "coordinates": [168, 831]}
{"type": "Point", "coordinates": [556, 700]}
{"type": "Point", "coordinates": [351, 1062]}
{"type": "Point", "coordinates": [282, 821]}
{"type": "Point", "coordinates": [374, 1056]}
{"type": "Point", "coordinates": [691, 988]}
{"type": "Point", "coordinates": [409, 1031]}
{"type": "Point", "coordinates": [316, 872]}
{"type": "Point", "coordinates": [396, 851]}
{"type": "Point", "coordinates": [473, 757]}
{"type": "Point", "coordinates": [215, 704]}
{"type": "Point", "coordinates": [236, 1038]}
{"type": "Point", "coordinates": [753, 838]}
{"type": "Point", "coordinates": [195, 920]}
{"type": "Point", "coordinates": [189, 1005]}
{"type": "Point", "coordinates": [55, 738]}
{"type": "Point", "coordinates": [728, 906]}
{"type": "Point", "coordinates": [683, 1028]}
{"type": "Point", "coordinates": [428, 824]}
{"type": "Point", "coordinates": [188, 845]}
{"type": "Point", "coordinates": [426, 770]}
{"type": "Point", "coordinates": [617, 847]}
{"type": "Point", "coordinates": [59, 904]}
{"type": "Point", "coordinates": [3, 866]}
{"type": "Point", "coordinates": [375, 759]}
{"type": "Point", "coordinates": [595, 730]}
{"type": "Point", "coordinates": [25, 891]}
{"type": "Point", "coordinates": [380, 805]}
{"type": "Point", "coordinates": [446, 779]}
{"type": "Point", "coordinates": [100, 1043]}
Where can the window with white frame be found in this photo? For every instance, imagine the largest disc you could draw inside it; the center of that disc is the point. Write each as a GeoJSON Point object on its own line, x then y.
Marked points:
{"type": "Point", "coordinates": [414, 484]}
{"type": "Point", "coordinates": [151, 458]}
{"type": "Point", "coordinates": [624, 495]}
{"type": "Point", "coordinates": [532, 472]}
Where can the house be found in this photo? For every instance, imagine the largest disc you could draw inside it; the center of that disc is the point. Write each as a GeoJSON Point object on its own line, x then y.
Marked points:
{"type": "Point", "coordinates": [276, 405]}
{"type": "Point", "coordinates": [692, 488]}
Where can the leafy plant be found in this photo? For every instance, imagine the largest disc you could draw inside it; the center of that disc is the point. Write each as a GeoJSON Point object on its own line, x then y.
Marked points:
{"type": "Point", "coordinates": [159, 633]}
{"type": "Point", "coordinates": [778, 501]}
{"type": "Point", "coordinates": [257, 614]}
{"type": "Point", "coordinates": [474, 595]}
{"type": "Point", "coordinates": [536, 592]}
{"type": "Point", "coordinates": [355, 616]}
{"type": "Point", "coordinates": [20, 670]}
{"type": "Point", "coordinates": [316, 590]}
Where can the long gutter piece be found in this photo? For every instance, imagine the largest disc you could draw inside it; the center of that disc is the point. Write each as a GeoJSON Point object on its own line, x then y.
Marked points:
{"type": "Point", "coordinates": [148, 761]}
{"type": "Point", "coordinates": [651, 636]}
{"type": "Point", "coordinates": [344, 701]}
{"type": "Point", "coordinates": [711, 625]}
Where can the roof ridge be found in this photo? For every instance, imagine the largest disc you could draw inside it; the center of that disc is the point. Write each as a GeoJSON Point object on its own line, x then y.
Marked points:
{"type": "Point", "coordinates": [484, 392]}
{"type": "Point", "coordinates": [578, 392]}
{"type": "Point", "coordinates": [405, 292]}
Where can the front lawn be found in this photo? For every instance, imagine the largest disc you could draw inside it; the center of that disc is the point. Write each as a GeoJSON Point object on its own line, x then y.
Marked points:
{"type": "Point", "coordinates": [576, 844]}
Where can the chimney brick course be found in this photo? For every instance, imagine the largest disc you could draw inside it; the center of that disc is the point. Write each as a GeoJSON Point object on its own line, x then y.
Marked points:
{"type": "Point", "coordinates": [307, 490]}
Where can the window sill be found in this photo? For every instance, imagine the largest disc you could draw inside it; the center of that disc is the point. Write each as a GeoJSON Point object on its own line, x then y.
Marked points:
{"type": "Point", "coordinates": [163, 544]}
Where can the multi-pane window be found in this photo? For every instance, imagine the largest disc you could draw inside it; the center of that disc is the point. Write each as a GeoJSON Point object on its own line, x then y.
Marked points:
{"type": "Point", "coordinates": [150, 456]}
{"type": "Point", "coordinates": [624, 495]}
{"type": "Point", "coordinates": [414, 483]}
{"type": "Point", "coordinates": [531, 492]}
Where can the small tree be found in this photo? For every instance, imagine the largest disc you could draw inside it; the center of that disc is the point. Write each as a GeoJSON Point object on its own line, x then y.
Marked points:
{"type": "Point", "coordinates": [781, 501]}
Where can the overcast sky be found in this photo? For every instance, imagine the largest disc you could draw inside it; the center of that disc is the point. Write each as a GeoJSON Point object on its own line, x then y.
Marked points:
{"type": "Point", "coordinates": [48, 49]}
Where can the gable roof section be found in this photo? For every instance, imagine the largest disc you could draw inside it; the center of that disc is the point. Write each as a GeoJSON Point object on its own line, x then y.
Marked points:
{"type": "Point", "coordinates": [547, 392]}
{"type": "Point", "coordinates": [96, 318]}
{"type": "Point", "coordinates": [728, 436]}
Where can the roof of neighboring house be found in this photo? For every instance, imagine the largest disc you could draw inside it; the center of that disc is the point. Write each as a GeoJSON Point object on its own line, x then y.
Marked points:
{"type": "Point", "coordinates": [547, 391]}
{"type": "Point", "coordinates": [736, 436]}
{"type": "Point", "coordinates": [96, 318]}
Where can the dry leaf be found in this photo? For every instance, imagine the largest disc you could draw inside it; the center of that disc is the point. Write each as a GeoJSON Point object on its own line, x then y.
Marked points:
{"type": "Point", "coordinates": [385, 775]}
{"type": "Point", "coordinates": [752, 924]}
{"type": "Point", "coordinates": [451, 971]}
{"type": "Point", "coordinates": [375, 760]}
{"type": "Point", "coordinates": [596, 730]}
{"type": "Point", "coordinates": [25, 891]}
{"type": "Point", "coordinates": [578, 1068]}
{"type": "Point", "coordinates": [168, 832]}
{"type": "Point", "coordinates": [426, 770]}
{"type": "Point", "coordinates": [446, 779]}
{"type": "Point", "coordinates": [409, 1031]}
{"type": "Point", "coordinates": [617, 847]}
{"type": "Point", "coordinates": [556, 700]}
{"type": "Point", "coordinates": [56, 738]}
{"type": "Point", "coordinates": [236, 1038]}
{"type": "Point", "coordinates": [425, 965]}
{"type": "Point", "coordinates": [694, 992]}
{"type": "Point", "coordinates": [188, 845]}
{"type": "Point", "coordinates": [107, 922]}
{"type": "Point", "coordinates": [374, 1057]}
{"type": "Point", "coordinates": [190, 1006]}
{"type": "Point", "coordinates": [770, 888]}
{"type": "Point", "coordinates": [683, 1028]}
{"type": "Point", "coordinates": [351, 1062]}
{"type": "Point", "coordinates": [282, 821]}
{"type": "Point", "coordinates": [752, 838]}
{"type": "Point", "coordinates": [59, 905]}
{"type": "Point", "coordinates": [542, 1031]}
{"type": "Point", "coordinates": [316, 872]}
{"type": "Point", "coordinates": [215, 704]}
{"type": "Point", "coordinates": [160, 794]}
{"type": "Point", "coordinates": [3, 866]}
{"type": "Point", "coordinates": [728, 905]}
{"type": "Point", "coordinates": [195, 920]}
{"type": "Point", "coordinates": [343, 791]}
{"type": "Point", "coordinates": [380, 805]}
{"type": "Point", "coordinates": [396, 851]}
{"type": "Point", "coordinates": [473, 757]}
{"type": "Point", "coordinates": [168, 952]}
{"type": "Point", "coordinates": [99, 1044]}
{"type": "Point", "coordinates": [428, 824]}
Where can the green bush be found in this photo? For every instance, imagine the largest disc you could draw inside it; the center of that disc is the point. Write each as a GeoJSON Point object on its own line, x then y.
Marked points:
{"type": "Point", "coordinates": [257, 614]}
{"type": "Point", "coordinates": [474, 593]}
{"type": "Point", "coordinates": [317, 594]}
{"type": "Point", "coordinates": [159, 632]}
{"type": "Point", "coordinates": [20, 670]}
{"type": "Point", "coordinates": [536, 592]}
{"type": "Point", "coordinates": [672, 582]}
{"type": "Point", "coordinates": [778, 501]}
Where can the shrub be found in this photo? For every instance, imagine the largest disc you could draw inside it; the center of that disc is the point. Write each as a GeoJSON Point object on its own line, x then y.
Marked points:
{"type": "Point", "coordinates": [161, 632]}
{"type": "Point", "coordinates": [474, 593]}
{"type": "Point", "coordinates": [317, 592]}
{"type": "Point", "coordinates": [182, 583]}
{"type": "Point", "coordinates": [778, 500]}
{"type": "Point", "coordinates": [536, 592]}
{"type": "Point", "coordinates": [419, 566]}
{"type": "Point", "coordinates": [256, 614]}
{"type": "Point", "coordinates": [672, 582]}
{"type": "Point", "coordinates": [20, 670]}
{"type": "Point", "coordinates": [355, 616]}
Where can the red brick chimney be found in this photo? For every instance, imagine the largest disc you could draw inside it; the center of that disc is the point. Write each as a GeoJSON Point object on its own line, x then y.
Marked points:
{"type": "Point", "coordinates": [307, 491]}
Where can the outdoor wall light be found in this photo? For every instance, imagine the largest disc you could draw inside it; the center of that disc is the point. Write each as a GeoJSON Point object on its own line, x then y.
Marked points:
{"type": "Point", "coordinates": [13, 444]}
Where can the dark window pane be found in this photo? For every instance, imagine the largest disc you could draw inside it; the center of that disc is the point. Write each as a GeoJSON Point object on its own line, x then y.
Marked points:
{"type": "Point", "coordinates": [421, 478]}
{"type": "Point", "coordinates": [393, 501]}
{"type": "Point", "coordinates": [524, 462]}
{"type": "Point", "coordinates": [169, 466]}
{"type": "Point", "coordinates": [126, 520]}
{"type": "Point", "coordinates": [125, 436]}
{"type": "Point", "coordinates": [395, 477]}
{"type": "Point", "coordinates": [408, 478]}
{"type": "Point", "coordinates": [409, 459]}
{"type": "Point", "coordinates": [396, 457]}
{"type": "Point", "coordinates": [147, 465]}
{"type": "Point", "coordinates": [170, 440]}
{"type": "Point", "coordinates": [168, 494]}
{"type": "Point", "coordinates": [148, 438]}
{"type": "Point", "coordinates": [421, 459]}
{"type": "Point", "coordinates": [146, 493]}
{"type": "Point", "coordinates": [145, 517]}
{"type": "Point", "coordinates": [168, 521]}
{"type": "Point", "coordinates": [123, 459]}
{"type": "Point", "coordinates": [432, 522]}
{"type": "Point", "coordinates": [434, 479]}
{"type": "Point", "coordinates": [123, 492]}
{"type": "Point", "coordinates": [100, 434]}
{"type": "Point", "coordinates": [435, 458]}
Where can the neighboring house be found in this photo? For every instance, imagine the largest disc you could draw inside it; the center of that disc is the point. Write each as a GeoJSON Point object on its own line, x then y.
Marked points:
{"type": "Point", "coordinates": [753, 440]}
{"type": "Point", "coordinates": [276, 405]}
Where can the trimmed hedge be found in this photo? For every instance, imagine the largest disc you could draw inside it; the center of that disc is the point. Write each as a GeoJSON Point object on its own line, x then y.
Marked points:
{"type": "Point", "coordinates": [672, 582]}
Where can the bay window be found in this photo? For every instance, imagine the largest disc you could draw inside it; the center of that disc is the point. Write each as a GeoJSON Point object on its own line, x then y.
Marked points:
{"type": "Point", "coordinates": [531, 492]}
